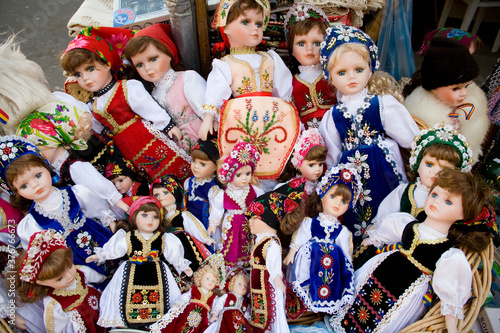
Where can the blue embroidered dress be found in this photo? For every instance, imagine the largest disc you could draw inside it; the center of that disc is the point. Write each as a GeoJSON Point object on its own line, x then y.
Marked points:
{"type": "Point", "coordinates": [198, 192]}
{"type": "Point", "coordinates": [322, 272]}
{"type": "Point", "coordinates": [366, 130]}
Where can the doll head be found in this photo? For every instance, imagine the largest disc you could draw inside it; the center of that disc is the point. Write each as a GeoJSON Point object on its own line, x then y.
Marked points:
{"type": "Point", "coordinates": [237, 281]}
{"type": "Point", "coordinates": [309, 154]}
{"type": "Point", "coordinates": [242, 22]}
{"type": "Point", "coordinates": [122, 173]}
{"type": "Point", "coordinates": [205, 155]}
{"type": "Point", "coordinates": [336, 200]}
{"type": "Point", "coordinates": [447, 70]}
{"type": "Point", "coordinates": [471, 41]}
{"type": "Point", "coordinates": [348, 57]}
{"type": "Point", "coordinates": [152, 52]}
{"type": "Point", "coordinates": [240, 163]}
{"type": "Point", "coordinates": [47, 263]}
{"type": "Point", "coordinates": [266, 212]}
{"type": "Point", "coordinates": [305, 27]}
{"type": "Point", "coordinates": [146, 214]}
{"type": "Point", "coordinates": [57, 125]}
{"type": "Point", "coordinates": [24, 87]}
{"type": "Point", "coordinates": [345, 174]}
{"type": "Point", "coordinates": [211, 273]}
{"type": "Point", "coordinates": [168, 191]}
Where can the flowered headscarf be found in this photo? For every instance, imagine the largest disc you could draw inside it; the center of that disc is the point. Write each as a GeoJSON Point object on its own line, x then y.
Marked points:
{"type": "Point", "coordinates": [302, 11]}
{"type": "Point", "coordinates": [243, 154]}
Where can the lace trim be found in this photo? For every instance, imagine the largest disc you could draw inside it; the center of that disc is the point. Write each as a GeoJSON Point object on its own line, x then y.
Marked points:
{"type": "Point", "coordinates": [359, 95]}
{"type": "Point", "coordinates": [169, 142]}
{"type": "Point", "coordinates": [197, 182]}
{"type": "Point", "coordinates": [181, 265]}
{"type": "Point", "coordinates": [242, 50]}
{"type": "Point", "coordinates": [310, 68]}
{"type": "Point", "coordinates": [240, 198]}
{"type": "Point", "coordinates": [452, 309]}
{"type": "Point", "coordinates": [168, 79]}
{"type": "Point", "coordinates": [167, 318]}
{"type": "Point", "coordinates": [77, 321]}
{"type": "Point", "coordinates": [110, 322]}
{"type": "Point", "coordinates": [211, 109]}
{"type": "Point", "coordinates": [56, 165]}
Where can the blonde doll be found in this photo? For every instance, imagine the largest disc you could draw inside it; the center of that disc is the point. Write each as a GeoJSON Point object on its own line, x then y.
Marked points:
{"type": "Point", "coordinates": [143, 288]}
{"type": "Point", "coordinates": [305, 27]}
{"type": "Point", "coordinates": [362, 128]}
{"type": "Point", "coordinates": [138, 126]}
{"type": "Point", "coordinates": [191, 312]}
{"type": "Point", "coordinates": [228, 207]}
{"type": "Point", "coordinates": [181, 94]}
{"type": "Point", "coordinates": [46, 271]}
{"type": "Point", "coordinates": [69, 210]}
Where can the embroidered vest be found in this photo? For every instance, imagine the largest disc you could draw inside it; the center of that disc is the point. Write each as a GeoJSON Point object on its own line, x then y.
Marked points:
{"type": "Point", "coordinates": [312, 100]}
{"type": "Point", "coordinates": [408, 204]}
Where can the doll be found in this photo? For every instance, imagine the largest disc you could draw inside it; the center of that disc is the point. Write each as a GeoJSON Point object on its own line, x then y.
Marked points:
{"type": "Point", "coordinates": [362, 128]}
{"type": "Point", "coordinates": [122, 173]}
{"type": "Point", "coordinates": [143, 289]}
{"type": "Point", "coordinates": [46, 271]}
{"type": "Point", "coordinates": [227, 209]}
{"type": "Point", "coordinates": [432, 150]}
{"type": "Point", "coordinates": [321, 250]}
{"type": "Point", "coordinates": [191, 312]}
{"type": "Point", "coordinates": [445, 92]}
{"type": "Point", "coordinates": [305, 27]}
{"type": "Point", "coordinates": [203, 185]}
{"type": "Point", "coordinates": [187, 228]}
{"type": "Point", "coordinates": [267, 290]}
{"type": "Point", "coordinates": [390, 286]}
{"type": "Point", "coordinates": [181, 94]}
{"type": "Point", "coordinates": [470, 41]}
{"type": "Point", "coordinates": [231, 312]}
{"type": "Point", "coordinates": [261, 85]}
{"type": "Point", "coordinates": [136, 123]}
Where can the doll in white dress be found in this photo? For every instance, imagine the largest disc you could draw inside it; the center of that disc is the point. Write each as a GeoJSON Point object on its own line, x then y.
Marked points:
{"type": "Point", "coordinates": [391, 286]}
{"type": "Point", "coordinates": [180, 93]}
{"type": "Point", "coordinates": [362, 128]}
{"type": "Point", "coordinates": [143, 289]}
{"type": "Point", "coordinates": [321, 250]}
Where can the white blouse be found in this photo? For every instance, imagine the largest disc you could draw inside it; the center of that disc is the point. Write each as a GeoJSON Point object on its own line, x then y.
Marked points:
{"type": "Point", "coordinates": [310, 73]}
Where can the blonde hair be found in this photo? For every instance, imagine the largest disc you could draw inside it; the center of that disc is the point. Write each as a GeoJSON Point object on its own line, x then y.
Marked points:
{"type": "Point", "coordinates": [230, 285]}
{"type": "Point", "coordinates": [198, 275]}
{"type": "Point", "coordinates": [343, 49]}
{"type": "Point", "coordinates": [83, 129]}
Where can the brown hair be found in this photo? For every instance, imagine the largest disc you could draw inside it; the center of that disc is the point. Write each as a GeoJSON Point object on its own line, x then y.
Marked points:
{"type": "Point", "coordinates": [440, 152]}
{"type": "Point", "coordinates": [198, 154]}
{"type": "Point", "coordinates": [198, 275]}
{"type": "Point", "coordinates": [230, 285]}
{"type": "Point", "coordinates": [77, 57]}
{"type": "Point", "coordinates": [139, 44]}
{"type": "Point", "coordinates": [54, 266]}
{"type": "Point", "coordinates": [316, 153]}
{"type": "Point", "coordinates": [15, 169]}
{"type": "Point", "coordinates": [302, 28]}
{"type": "Point", "coordinates": [240, 7]}
{"type": "Point", "coordinates": [147, 207]}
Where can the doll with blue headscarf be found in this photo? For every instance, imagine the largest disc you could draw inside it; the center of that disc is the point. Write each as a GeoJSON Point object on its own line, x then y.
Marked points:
{"type": "Point", "coordinates": [321, 249]}
{"type": "Point", "coordinates": [362, 128]}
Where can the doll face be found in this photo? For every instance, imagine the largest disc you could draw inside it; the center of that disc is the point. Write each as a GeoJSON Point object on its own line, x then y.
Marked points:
{"type": "Point", "coordinates": [147, 222]}
{"type": "Point", "coordinates": [93, 76]}
{"type": "Point", "coordinates": [334, 204]}
{"type": "Point", "coordinates": [242, 176]}
{"type": "Point", "coordinates": [208, 281]}
{"type": "Point", "coordinates": [443, 206]}
{"type": "Point", "coordinates": [34, 184]}
{"type": "Point", "coordinates": [166, 198]}
{"type": "Point", "coordinates": [123, 183]}
{"type": "Point", "coordinates": [429, 168]}
{"type": "Point", "coordinates": [247, 30]}
{"type": "Point", "coordinates": [350, 74]}
{"type": "Point", "coordinates": [240, 286]}
{"type": "Point", "coordinates": [306, 47]}
{"type": "Point", "coordinates": [453, 95]}
{"type": "Point", "coordinates": [312, 170]}
{"type": "Point", "coordinates": [65, 280]}
{"type": "Point", "coordinates": [151, 64]}
{"type": "Point", "coordinates": [257, 226]}
{"type": "Point", "coordinates": [203, 169]}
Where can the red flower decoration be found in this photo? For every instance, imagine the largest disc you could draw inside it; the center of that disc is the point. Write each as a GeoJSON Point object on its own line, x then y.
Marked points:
{"type": "Point", "coordinates": [297, 182]}
{"type": "Point", "coordinates": [137, 298]}
{"type": "Point", "coordinates": [326, 261]}
{"type": "Point", "coordinates": [153, 297]}
{"type": "Point", "coordinates": [346, 175]}
{"type": "Point", "coordinates": [43, 126]}
{"type": "Point", "coordinates": [257, 208]}
{"type": "Point", "coordinates": [324, 291]}
{"type": "Point", "coordinates": [289, 205]}
{"type": "Point", "coordinates": [144, 313]}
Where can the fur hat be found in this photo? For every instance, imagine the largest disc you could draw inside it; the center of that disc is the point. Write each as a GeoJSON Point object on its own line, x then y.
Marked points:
{"type": "Point", "coordinates": [447, 62]}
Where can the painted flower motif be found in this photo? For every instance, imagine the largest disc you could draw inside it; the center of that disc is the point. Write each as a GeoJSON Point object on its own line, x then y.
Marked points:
{"type": "Point", "coordinates": [137, 298]}
{"type": "Point", "coordinates": [362, 314]}
{"type": "Point", "coordinates": [83, 239]}
{"type": "Point", "coordinates": [8, 151]}
{"type": "Point", "coordinates": [93, 302]}
{"type": "Point", "coordinates": [296, 182]}
{"type": "Point", "coordinates": [144, 313]}
{"type": "Point", "coordinates": [326, 261]}
{"type": "Point", "coordinates": [301, 13]}
{"type": "Point", "coordinates": [154, 297]}
{"type": "Point", "coordinates": [119, 41]}
{"type": "Point", "coordinates": [194, 318]}
{"type": "Point", "coordinates": [324, 291]}
{"type": "Point", "coordinates": [376, 296]}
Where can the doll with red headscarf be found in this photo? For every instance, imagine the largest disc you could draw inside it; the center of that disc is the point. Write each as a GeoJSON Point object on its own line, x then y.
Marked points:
{"type": "Point", "coordinates": [137, 125]}
{"type": "Point", "coordinates": [181, 94]}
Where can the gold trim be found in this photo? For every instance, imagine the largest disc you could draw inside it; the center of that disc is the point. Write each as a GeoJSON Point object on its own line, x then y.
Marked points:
{"type": "Point", "coordinates": [3, 215]}
{"type": "Point", "coordinates": [242, 50]}
{"type": "Point", "coordinates": [79, 290]}
{"type": "Point", "coordinates": [411, 197]}
{"type": "Point", "coordinates": [314, 96]}
{"type": "Point", "coordinates": [204, 299]}
{"type": "Point", "coordinates": [49, 316]}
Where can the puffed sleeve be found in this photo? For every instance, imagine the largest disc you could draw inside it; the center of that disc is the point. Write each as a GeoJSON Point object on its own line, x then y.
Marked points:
{"type": "Point", "coordinates": [174, 252]}
{"type": "Point", "coordinates": [116, 247]}
{"type": "Point", "coordinates": [282, 79]}
{"type": "Point", "coordinates": [27, 227]}
{"type": "Point", "coordinates": [143, 104]}
{"type": "Point", "coordinates": [194, 90]}
{"type": "Point", "coordinates": [452, 282]}
{"type": "Point", "coordinates": [273, 261]}
{"type": "Point", "coordinates": [390, 229]}
{"type": "Point", "coordinates": [216, 209]}
{"type": "Point", "coordinates": [84, 173]}
{"type": "Point", "coordinates": [92, 206]}
{"type": "Point", "coordinates": [218, 87]}
{"type": "Point", "coordinates": [58, 321]}
{"type": "Point", "coordinates": [303, 234]}
{"type": "Point", "coordinates": [344, 241]}
{"type": "Point", "coordinates": [218, 304]}
{"type": "Point", "coordinates": [194, 227]}
{"type": "Point", "coordinates": [332, 139]}
{"type": "Point", "coordinates": [390, 204]}
{"type": "Point", "coordinates": [397, 121]}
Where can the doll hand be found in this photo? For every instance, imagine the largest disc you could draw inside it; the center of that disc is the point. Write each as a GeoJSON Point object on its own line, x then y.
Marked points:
{"type": "Point", "coordinates": [91, 258]}
{"type": "Point", "coordinates": [451, 323]}
{"type": "Point", "coordinates": [207, 126]}
{"type": "Point", "coordinates": [20, 322]}
{"type": "Point", "coordinates": [211, 230]}
{"type": "Point", "coordinates": [372, 227]}
{"type": "Point", "coordinates": [175, 131]}
{"type": "Point", "coordinates": [279, 283]}
{"type": "Point", "coordinates": [289, 257]}
{"type": "Point", "coordinates": [213, 317]}
{"type": "Point", "coordinates": [123, 206]}
{"type": "Point", "coordinates": [366, 242]}
{"type": "Point", "coordinates": [210, 241]}
{"type": "Point", "coordinates": [188, 272]}
{"type": "Point", "coordinates": [112, 226]}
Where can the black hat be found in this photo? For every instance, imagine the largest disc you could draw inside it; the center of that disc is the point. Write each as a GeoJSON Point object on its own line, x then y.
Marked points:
{"type": "Point", "coordinates": [209, 147]}
{"type": "Point", "coordinates": [447, 62]}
